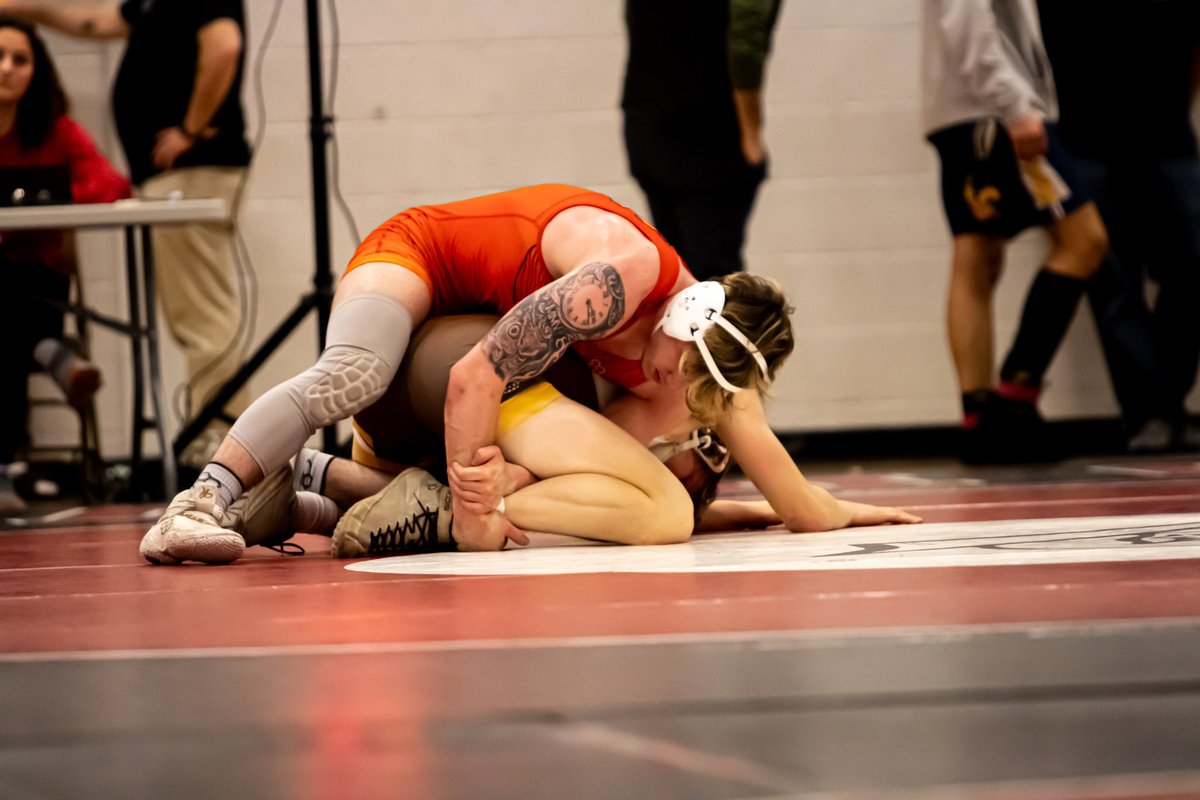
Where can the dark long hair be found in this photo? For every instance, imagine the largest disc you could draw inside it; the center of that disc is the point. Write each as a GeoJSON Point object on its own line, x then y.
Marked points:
{"type": "Point", "coordinates": [44, 101]}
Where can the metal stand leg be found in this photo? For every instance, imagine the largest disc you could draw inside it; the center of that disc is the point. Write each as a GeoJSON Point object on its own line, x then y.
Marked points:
{"type": "Point", "coordinates": [144, 338]}
{"type": "Point", "coordinates": [137, 331]}
{"type": "Point", "coordinates": [157, 395]}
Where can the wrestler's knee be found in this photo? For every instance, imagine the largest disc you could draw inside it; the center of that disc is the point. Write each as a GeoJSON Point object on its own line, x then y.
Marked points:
{"type": "Point", "coordinates": [669, 519]}
{"type": "Point", "coordinates": [344, 381]}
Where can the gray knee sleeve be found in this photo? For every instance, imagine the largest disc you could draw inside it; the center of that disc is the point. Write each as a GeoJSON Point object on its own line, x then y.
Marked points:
{"type": "Point", "coordinates": [365, 341]}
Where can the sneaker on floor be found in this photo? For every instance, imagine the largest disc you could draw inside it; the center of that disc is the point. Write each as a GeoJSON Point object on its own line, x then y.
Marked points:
{"type": "Point", "coordinates": [1009, 432]}
{"type": "Point", "coordinates": [188, 531]}
{"type": "Point", "coordinates": [1155, 436]}
{"type": "Point", "coordinates": [1185, 437]}
{"type": "Point", "coordinates": [11, 504]}
{"type": "Point", "coordinates": [976, 445]}
{"type": "Point", "coordinates": [410, 514]}
{"type": "Point", "coordinates": [264, 514]}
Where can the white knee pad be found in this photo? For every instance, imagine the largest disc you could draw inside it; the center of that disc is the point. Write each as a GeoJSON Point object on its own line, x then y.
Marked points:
{"type": "Point", "coordinates": [345, 379]}
{"type": "Point", "coordinates": [366, 339]}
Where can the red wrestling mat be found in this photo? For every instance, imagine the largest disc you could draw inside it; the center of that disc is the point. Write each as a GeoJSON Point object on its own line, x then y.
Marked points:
{"type": "Point", "coordinates": [1035, 641]}
{"type": "Point", "coordinates": [82, 586]}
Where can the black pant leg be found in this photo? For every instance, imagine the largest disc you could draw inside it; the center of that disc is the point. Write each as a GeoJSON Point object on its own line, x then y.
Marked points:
{"type": "Point", "coordinates": [26, 317]}
{"type": "Point", "coordinates": [665, 215]}
{"type": "Point", "coordinates": [1123, 325]}
{"type": "Point", "coordinates": [1117, 298]}
{"type": "Point", "coordinates": [1172, 222]}
{"type": "Point", "coordinates": [713, 222]}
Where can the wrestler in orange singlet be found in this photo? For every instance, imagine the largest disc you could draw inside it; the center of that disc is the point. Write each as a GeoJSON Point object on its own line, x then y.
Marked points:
{"type": "Point", "coordinates": [485, 253]}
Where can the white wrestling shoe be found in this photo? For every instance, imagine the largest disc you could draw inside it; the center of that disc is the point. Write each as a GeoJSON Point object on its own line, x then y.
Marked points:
{"type": "Point", "coordinates": [264, 515]}
{"type": "Point", "coordinates": [410, 514]}
{"type": "Point", "coordinates": [188, 531]}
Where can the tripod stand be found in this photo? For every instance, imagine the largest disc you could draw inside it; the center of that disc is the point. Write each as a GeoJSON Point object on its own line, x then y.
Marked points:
{"type": "Point", "coordinates": [321, 296]}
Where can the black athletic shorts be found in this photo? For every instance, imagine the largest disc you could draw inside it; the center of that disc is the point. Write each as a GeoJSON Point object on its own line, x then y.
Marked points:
{"type": "Point", "coordinates": [984, 189]}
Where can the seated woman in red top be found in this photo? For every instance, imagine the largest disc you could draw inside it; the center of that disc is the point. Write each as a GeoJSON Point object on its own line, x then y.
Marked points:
{"type": "Point", "coordinates": [35, 131]}
{"type": "Point", "coordinates": [567, 268]}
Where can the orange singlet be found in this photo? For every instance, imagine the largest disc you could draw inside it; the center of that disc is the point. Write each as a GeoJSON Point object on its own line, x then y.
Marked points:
{"type": "Point", "coordinates": [486, 253]}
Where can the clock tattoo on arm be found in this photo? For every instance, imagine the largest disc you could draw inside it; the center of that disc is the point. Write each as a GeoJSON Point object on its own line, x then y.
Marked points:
{"type": "Point", "coordinates": [587, 303]}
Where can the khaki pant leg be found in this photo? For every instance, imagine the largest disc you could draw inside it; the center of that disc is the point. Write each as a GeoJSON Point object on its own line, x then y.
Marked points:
{"type": "Point", "coordinates": [196, 272]}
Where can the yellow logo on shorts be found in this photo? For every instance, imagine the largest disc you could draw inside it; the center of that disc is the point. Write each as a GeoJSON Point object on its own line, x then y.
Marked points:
{"type": "Point", "coordinates": [982, 202]}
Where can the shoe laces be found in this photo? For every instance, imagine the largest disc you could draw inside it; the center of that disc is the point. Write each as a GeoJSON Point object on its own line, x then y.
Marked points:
{"type": "Point", "coordinates": [416, 532]}
{"type": "Point", "coordinates": [285, 548]}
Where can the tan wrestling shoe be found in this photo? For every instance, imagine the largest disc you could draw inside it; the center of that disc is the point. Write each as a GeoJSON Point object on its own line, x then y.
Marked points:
{"type": "Point", "coordinates": [411, 514]}
{"type": "Point", "coordinates": [264, 515]}
{"type": "Point", "coordinates": [188, 531]}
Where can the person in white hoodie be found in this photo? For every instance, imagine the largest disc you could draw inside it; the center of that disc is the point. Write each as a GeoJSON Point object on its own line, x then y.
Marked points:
{"type": "Point", "coordinates": [989, 110]}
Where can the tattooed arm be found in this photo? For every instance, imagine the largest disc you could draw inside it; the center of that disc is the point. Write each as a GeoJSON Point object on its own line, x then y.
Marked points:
{"type": "Point", "coordinates": [603, 268]}
{"type": "Point", "coordinates": [587, 303]}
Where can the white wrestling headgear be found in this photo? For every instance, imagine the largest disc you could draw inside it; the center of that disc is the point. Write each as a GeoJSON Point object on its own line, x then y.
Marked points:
{"type": "Point", "coordinates": [692, 312]}
{"type": "Point", "coordinates": [708, 447]}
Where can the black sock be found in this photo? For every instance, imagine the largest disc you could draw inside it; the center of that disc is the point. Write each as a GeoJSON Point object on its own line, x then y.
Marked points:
{"type": "Point", "coordinates": [973, 404]}
{"type": "Point", "coordinates": [1049, 308]}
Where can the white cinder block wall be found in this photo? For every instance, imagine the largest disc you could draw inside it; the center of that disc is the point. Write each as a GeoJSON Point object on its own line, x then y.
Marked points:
{"type": "Point", "coordinates": [443, 100]}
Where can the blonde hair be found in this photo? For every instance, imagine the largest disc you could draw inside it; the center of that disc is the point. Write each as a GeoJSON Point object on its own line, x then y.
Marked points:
{"type": "Point", "coordinates": [756, 306]}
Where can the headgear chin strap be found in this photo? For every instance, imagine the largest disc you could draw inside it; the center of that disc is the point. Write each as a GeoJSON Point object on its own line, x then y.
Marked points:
{"type": "Point", "coordinates": [710, 449]}
{"type": "Point", "coordinates": [692, 312]}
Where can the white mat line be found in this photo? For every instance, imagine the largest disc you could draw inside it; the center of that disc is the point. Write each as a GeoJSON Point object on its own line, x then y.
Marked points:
{"type": "Point", "coordinates": [673, 755]}
{"type": "Point", "coordinates": [989, 543]}
{"type": "Point", "coordinates": [1065, 502]}
{"type": "Point", "coordinates": [772, 640]}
